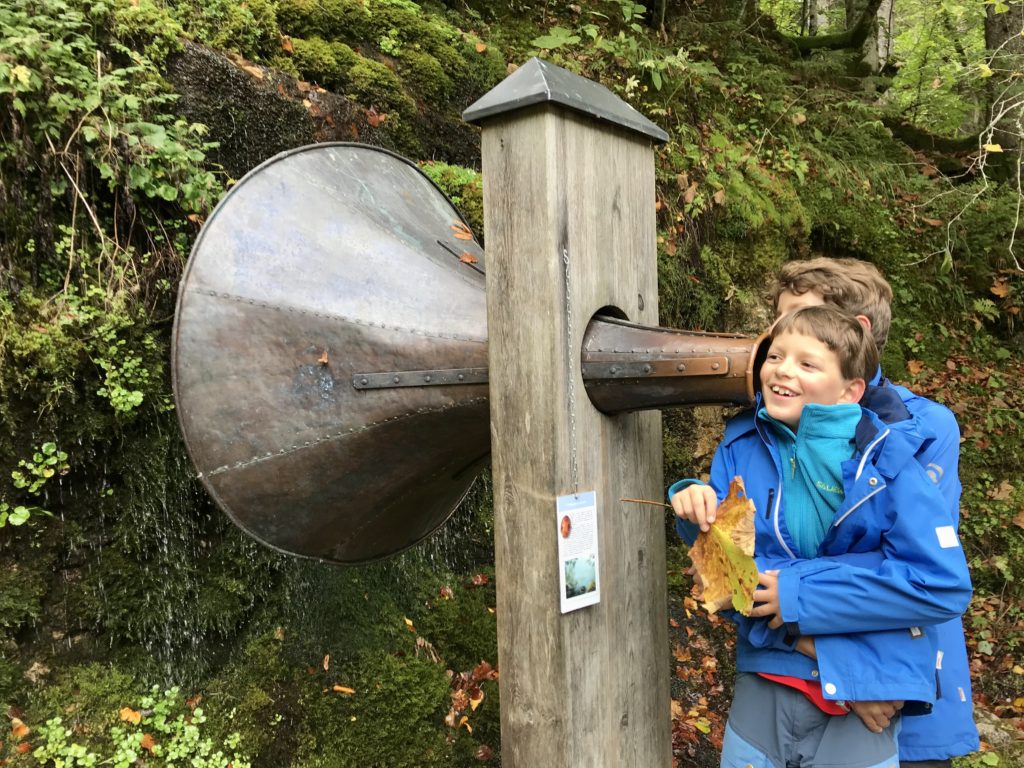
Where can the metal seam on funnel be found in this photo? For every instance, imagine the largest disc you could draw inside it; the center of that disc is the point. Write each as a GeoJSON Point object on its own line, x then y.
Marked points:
{"type": "Point", "coordinates": [331, 316]}
{"type": "Point", "coordinates": [341, 434]}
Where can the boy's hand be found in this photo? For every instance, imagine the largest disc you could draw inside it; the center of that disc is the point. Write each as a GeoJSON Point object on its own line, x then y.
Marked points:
{"type": "Point", "coordinates": [876, 715]}
{"type": "Point", "coordinates": [696, 504]}
{"type": "Point", "coordinates": [766, 599]}
{"type": "Point", "coordinates": [805, 645]}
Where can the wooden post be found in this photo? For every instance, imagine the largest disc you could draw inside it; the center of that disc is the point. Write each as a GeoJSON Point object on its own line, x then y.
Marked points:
{"type": "Point", "coordinates": [569, 213]}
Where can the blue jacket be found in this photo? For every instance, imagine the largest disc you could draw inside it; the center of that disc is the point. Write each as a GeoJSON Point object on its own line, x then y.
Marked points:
{"type": "Point", "coordinates": [949, 731]}
{"type": "Point", "coordinates": [876, 575]}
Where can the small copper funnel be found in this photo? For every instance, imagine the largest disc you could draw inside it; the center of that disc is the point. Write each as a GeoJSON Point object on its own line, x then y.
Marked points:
{"type": "Point", "coordinates": [630, 367]}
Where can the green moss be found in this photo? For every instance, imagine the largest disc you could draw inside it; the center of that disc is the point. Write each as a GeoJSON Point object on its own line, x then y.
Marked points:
{"type": "Point", "coordinates": [249, 28]}
{"type": "Point", "coordinates": [23, 585]}
{"type": "Point", "coordinates": [464, 188]}
{"type": "Point", "coordinates": [87, 698]}
{"type": "Point", "coordinates": [344, 56]}
{"type": "Point", "coordinates": [459, 619]}
{"type": "Point", "coordinates": [394, 718]}
{"type": "Point", "coordinates": [374, 84]}
{"type": "Point", "coordinates": [330, 19]}
{"type": "Point", "coordinates": [425, 76]}
{"type": "Point", "coordinates": [256, 695]}
{"type": "Point", "coordinates": [315, 59]}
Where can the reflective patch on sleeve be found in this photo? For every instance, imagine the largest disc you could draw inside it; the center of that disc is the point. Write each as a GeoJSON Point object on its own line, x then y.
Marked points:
{"type": "Point", "coordinates": [963, 696]}
{"type": "Point", "coordinates": [935, 472]}
{"type": "Point", "coordinates": [947, 536]}
{"type": "Point", "coordinates": [938, 660]}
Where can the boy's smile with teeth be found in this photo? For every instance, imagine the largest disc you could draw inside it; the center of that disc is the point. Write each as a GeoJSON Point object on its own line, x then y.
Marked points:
{"type": "Point", "coordinates": [800, 370]}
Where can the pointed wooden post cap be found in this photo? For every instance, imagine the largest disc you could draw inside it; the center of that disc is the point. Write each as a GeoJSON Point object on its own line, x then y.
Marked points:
{"type": "Point", "coordinates": [538, 81]}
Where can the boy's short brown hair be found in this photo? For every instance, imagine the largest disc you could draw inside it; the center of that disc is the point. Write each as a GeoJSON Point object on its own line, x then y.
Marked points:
{"type": "Point", "coordinates": [850, 284]}
{"type": "Point", "coordinates": [841, 332]}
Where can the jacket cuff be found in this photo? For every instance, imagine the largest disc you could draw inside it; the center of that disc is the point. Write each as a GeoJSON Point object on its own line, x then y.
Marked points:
{"type": "Point", "coordinates": [687, 531]}
{"type": "Point", "coordinates": [678, 485]}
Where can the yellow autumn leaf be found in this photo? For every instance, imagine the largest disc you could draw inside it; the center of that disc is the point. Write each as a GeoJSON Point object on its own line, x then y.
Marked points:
{"type": "Point", "coordinates": [343, 689]}
{"type": "Point", "coordinates": [723, 556]}
{"type": "Point", "coordinates": [992, 148]}
{"type": "Point", "coordinates": [130, 715]}
{"type": "Point", "coordinates": [476, 699]}
{"type": "Point", "coordinates": [986, 70]}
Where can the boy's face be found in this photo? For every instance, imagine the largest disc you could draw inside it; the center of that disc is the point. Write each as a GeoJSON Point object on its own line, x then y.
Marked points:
{"type": "Point", "coordinates": [800, 370]}
{"type": "Point", "coordinates": [791, 302]}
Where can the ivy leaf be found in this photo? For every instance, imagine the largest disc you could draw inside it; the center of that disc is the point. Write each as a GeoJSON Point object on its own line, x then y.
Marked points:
{"type": "Point", "coordinates": [19, 516]}
{"type": "Point", "coordinates": [723, 556]}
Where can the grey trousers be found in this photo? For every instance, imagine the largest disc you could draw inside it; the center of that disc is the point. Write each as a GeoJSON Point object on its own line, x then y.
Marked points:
{"type": "Point", "coordinates": [773, 726]}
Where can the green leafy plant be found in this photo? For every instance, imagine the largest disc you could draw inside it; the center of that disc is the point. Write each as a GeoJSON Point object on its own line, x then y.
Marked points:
{"type": "Point", "coordinates": [33, 473]}
{"type": "Point", "coordinates": [165, 732]}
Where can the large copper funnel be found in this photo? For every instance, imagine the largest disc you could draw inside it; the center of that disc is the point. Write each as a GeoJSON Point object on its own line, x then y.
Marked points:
{"type": "Point", "coordinates": [330, 355]}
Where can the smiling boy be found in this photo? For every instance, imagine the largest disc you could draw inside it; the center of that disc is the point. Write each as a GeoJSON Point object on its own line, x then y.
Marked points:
{"type": "Point", "coordinates": [839, 551]}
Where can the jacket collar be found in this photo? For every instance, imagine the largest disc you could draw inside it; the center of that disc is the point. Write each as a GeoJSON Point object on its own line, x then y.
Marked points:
{"type": "Point", "coordinates": [903, 436]}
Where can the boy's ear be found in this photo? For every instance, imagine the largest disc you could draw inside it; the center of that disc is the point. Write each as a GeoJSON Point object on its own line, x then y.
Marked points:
{"type": "Point", "coordinates": [854, 391]}
{"type": "Point", "coordinates": [865, 321]}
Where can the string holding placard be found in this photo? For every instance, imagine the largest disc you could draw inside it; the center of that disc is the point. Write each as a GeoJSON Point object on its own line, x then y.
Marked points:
{"type": "Point", "coordinates": [571, 389]}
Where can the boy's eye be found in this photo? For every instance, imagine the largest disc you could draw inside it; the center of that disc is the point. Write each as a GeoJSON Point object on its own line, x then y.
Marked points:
{"type": "Point", "coordinates": [774, 357]}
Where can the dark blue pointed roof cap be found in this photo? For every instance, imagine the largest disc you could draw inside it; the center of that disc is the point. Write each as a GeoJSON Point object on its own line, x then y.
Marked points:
{"type": "Point", "coordinates": [538, 81]}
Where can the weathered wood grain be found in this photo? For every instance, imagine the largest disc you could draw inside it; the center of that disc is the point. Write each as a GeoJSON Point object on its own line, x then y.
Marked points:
{"type": "Point", "coordinates": [589, 688]}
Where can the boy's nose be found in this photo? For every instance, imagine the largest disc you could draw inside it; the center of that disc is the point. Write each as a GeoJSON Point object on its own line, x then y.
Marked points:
{"type": "Point", "coordinates": [785, 368]}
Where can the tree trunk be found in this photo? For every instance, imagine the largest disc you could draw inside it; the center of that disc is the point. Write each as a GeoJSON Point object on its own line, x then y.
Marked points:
{"type": "Point", "coordinates": [1003, 38]}
{"type": "Point", "coordinates": [817, 16]}
{"type": "Point", "coordinates": [878, 43]}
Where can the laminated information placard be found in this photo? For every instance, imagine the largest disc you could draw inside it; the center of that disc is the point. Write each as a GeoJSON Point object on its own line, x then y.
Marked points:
{"type": "Point", "coordinates": [578, 566]}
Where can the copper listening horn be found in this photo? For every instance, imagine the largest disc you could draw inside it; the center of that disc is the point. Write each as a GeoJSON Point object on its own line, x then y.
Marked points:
{"type": "Point", "coordinates": [330, 355]}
